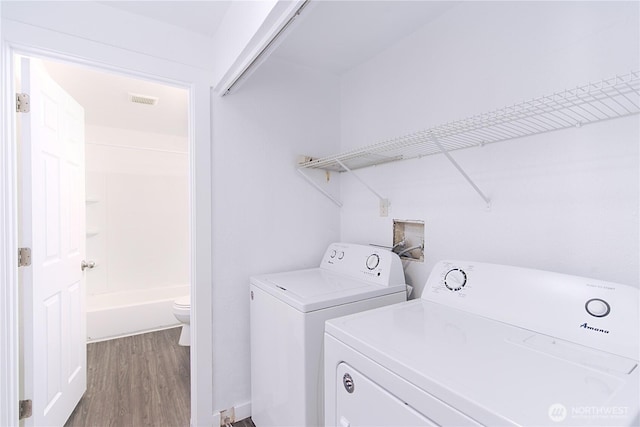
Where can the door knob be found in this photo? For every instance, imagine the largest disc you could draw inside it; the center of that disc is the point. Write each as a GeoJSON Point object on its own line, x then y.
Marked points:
{"type": "Point", "coordinates": [86, 264]}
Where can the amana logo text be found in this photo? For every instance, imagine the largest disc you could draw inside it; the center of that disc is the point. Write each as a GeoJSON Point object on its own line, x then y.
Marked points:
{"type": "Point", "coordinates": [584, 325]}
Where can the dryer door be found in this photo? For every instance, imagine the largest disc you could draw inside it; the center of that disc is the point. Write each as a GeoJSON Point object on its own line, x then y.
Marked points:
{"type": "Point", "coordinates": [361, 402]}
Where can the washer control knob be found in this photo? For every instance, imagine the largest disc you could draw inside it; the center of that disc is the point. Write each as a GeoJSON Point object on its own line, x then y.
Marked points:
{"type": "Point", "coordinates": [340, 254]}
{"type": "Point", "coordinates": [333, 253]}
{"type": "Point", "coordinates": [455, 279]}
{"type": "Point", "coordinates": [597, 307]}
{"type": "Point", "coordinates": [373, 261]}
{"type": "Point", "coordinates": [347, 381]}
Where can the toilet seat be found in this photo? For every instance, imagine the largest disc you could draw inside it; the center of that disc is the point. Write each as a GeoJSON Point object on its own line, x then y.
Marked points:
{"type": "Point", "coordinates": [183, 302]}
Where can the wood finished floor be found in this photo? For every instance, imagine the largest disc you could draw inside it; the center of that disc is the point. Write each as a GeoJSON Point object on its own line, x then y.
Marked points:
{"type": "Point", "coordinates": [142, 380]}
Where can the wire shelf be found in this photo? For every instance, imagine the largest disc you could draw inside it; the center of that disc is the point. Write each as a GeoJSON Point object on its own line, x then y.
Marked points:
{"type": "Point", "coordinates": [608, 99]}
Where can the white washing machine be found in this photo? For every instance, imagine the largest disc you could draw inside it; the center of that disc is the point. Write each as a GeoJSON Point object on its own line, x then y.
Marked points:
{"type": "Point", "coordinates": [288, 311]}
{"type": "Point", "coordinates": [489, 345]}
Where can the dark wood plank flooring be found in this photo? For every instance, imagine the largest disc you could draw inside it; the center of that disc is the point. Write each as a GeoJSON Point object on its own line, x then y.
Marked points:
{"type": "Point", "coordinates": [142, 380]}
{"type": "Point", "coordinates": [244, 423]}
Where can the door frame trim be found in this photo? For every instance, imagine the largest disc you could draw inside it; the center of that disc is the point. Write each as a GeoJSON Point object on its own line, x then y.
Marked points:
{"type": "Point", "coordinates": [39, 42]}
{"type": "Point", "coordinates": [9, 336]}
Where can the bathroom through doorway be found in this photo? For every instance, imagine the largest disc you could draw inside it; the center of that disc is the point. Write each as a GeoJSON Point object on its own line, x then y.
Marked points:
{"type": "Point", "coordinates": [135, 210]}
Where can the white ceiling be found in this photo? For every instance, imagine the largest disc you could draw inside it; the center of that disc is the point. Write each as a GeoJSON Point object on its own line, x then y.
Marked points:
{"type": "Point", "coordinates": [202, 17]}
{"type": "Point", "coordinates": [105, 98]}
{"type": "Point", "coordinates": [336, 36]}
{"type": "Point", "coordinates": [333, 36]}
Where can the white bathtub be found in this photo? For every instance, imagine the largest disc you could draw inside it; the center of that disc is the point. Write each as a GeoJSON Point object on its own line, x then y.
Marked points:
{"type": "Point", "coordinates": [120, 314]}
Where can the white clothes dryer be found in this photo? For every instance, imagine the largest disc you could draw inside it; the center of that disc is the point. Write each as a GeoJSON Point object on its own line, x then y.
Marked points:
{"type": "Point", "coordinates": [489, 345]}
{"type": "Point", "coordinates": [288, 311]}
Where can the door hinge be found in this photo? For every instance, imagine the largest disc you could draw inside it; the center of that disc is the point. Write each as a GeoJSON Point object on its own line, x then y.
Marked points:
{"type": "Point", "coordinates": [24, 409]}
{"type": "Point", "coordinates": [24, 257]}
{"type": "Point", "coordinates": [22, 103]}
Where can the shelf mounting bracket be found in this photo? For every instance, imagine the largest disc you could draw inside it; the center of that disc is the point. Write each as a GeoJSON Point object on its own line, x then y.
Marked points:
{"type": "Point", "coordinates": [462, 172]}
{"type": "Point", "coordinates": [320, 189]}
{"type": "Point", "coordinates": [384, 202]}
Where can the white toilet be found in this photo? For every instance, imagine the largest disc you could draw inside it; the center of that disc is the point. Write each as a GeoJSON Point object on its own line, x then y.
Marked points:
{"type": "Point", "coordinates": [182, 311]}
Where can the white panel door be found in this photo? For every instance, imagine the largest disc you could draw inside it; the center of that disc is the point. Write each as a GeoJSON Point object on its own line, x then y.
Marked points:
{"type": "Point", "coordinates": [53, 225]}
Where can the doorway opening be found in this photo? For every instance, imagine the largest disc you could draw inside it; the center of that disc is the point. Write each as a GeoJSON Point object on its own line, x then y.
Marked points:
{"type": "Point", "coordinates": [135, 213]}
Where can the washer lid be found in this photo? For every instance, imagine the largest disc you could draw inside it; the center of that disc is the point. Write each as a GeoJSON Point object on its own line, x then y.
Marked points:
{"type": "Point", "coordinates": [315, 289]}
{"type": "Point", "coordinates": [486, 368]}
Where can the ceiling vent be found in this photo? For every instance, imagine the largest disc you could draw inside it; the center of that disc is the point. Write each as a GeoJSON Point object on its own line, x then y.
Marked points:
{"type": "Point", "coordinates": [136, 98]}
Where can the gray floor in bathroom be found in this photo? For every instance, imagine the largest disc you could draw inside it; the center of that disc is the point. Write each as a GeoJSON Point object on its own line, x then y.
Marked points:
{"type": "Point", "coordinates": [142, 380]}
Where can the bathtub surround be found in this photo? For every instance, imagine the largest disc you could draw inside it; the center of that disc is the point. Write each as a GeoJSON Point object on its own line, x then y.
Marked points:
{"type": "Point", "coordinates": [119, 314]}
{"type": "Point", "coordinates": [137, 229]}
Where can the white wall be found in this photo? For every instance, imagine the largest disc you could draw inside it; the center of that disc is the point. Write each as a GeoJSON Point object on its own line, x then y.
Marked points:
{"type": "Point", "coordinates": [137, 186]}
{"type": "Point", "coordinates": [566, 201]}
{"type": "Point", "coordinates": [268, 218]}
{"type": "Point", "coordinates": [98, 22]}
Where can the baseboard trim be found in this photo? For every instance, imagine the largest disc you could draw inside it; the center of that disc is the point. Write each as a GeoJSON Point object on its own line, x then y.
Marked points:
{"type": "Point", "coordinates": [115, 337]}
{"type": "Point", "coordinates": [242, 411]}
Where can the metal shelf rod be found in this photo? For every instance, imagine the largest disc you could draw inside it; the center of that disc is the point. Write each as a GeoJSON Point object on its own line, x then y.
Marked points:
{"type": "Point", "coordinates": [464, 174]}
{"type": "Point", "coordinates": [320, 189]}
{"type": "Point", "coordinates": [355, 175]}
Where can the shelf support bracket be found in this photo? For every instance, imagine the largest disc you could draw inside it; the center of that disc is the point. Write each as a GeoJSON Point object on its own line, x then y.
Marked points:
{"type": "Point", "coordinates": [320, 189]}
{"type": "Point", "coordinates": [464, 174]}
{"type": "Point", "coordinates": [384, 202]}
